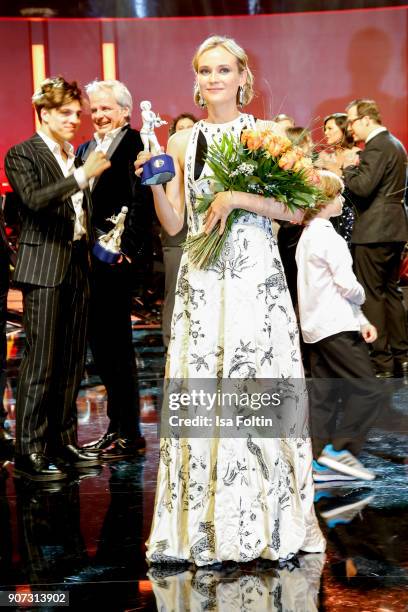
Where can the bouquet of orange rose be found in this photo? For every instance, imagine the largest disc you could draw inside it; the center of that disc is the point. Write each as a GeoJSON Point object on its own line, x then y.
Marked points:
{"type": "Point", "coordinates": [262, 163]}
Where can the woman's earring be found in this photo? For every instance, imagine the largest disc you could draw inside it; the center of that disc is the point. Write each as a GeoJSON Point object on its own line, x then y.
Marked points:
{"type": "Point", "coordinates": [240, 96]}
{"type": "Point", "coordinates": [201, 101]}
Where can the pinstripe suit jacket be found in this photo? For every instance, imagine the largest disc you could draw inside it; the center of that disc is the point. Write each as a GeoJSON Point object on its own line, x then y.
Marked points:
{"type": "Point", "coordinates": [48, 215]}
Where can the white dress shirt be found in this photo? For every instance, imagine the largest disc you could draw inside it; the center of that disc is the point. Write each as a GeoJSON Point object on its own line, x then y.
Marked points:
{"type": "Point", "coordinates": [329, 294]}
{"type": "Point", "coordinates": [378, 130]}
{"type": "Point", "coordinates": [68, 168]}
{"type": "Point", "coordinates": [103, 144]}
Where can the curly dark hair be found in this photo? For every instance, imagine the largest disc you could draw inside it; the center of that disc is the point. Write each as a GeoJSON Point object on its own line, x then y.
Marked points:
{"type": "Point", "coordinates": [173, 124]}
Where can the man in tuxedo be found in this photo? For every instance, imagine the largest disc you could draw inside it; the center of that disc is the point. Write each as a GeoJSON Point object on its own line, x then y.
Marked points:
{"type": "Point", "coordinates": [52, 269]}
{"type": "Point", "coordinates": [380, 231]}
{"type": "Point", "coordinates": [110, 328]}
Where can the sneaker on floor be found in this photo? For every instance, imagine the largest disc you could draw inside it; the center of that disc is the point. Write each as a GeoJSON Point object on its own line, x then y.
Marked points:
{"type": "Point", "coordinates": [345, 463]}
{"type": "Point", "coordinates": [321, 473]}
{"type": "Point", "coordinates": [333, 485]}
{"type": "Point", "coordinates": [344, 512]}
{"type": "Point", "coordinates": [319, 495]}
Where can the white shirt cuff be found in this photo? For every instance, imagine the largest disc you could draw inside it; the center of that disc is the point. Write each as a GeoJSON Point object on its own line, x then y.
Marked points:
{"type": "Point", "coordinates": [362, 320]}
{"type": "Point", "coordinates": [80, 177]}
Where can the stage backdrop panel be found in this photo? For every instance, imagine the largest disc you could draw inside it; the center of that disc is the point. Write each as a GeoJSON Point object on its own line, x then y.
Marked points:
{"type": "Point", "coordinates": [307, 65]}
{"type": "Point", "coordinates": [75, 52]}
{"type": "Point", "coordinates": [16, 115]}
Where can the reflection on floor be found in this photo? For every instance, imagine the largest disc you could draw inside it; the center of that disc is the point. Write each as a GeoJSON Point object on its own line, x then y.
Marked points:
{"type": "Point", "coordinates": [86, 537]}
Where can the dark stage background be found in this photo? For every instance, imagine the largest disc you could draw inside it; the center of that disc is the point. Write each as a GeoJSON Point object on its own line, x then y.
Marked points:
{"type": "Point", "coordinates": [305, 64]}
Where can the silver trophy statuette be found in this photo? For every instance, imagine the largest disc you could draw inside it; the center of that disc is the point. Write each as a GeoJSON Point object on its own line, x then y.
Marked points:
{"type": "Point", "coordinates": [160, 168]}
{"type": "Point", "coordinates": [107, 248]}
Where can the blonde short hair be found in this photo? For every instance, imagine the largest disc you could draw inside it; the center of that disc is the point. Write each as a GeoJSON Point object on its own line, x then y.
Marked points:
{"type": "Point", "coordinates": [238, 52]}
{"type": "Point", "coordinates": [330, 186]}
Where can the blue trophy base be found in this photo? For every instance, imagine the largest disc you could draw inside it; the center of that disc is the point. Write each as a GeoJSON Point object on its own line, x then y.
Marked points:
{"type": "Point", "coordinates": [158, 170]}
{"type": "Point", "coordinates": [104, 255]}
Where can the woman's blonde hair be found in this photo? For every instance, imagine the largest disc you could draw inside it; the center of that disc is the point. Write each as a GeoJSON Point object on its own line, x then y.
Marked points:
{"type": "Point", "coordinates": [232, 47]}
{"type": "Point", "coordinates": [330, 186]}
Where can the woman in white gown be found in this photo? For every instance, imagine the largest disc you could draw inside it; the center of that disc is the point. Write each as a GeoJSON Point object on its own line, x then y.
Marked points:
{"type": "Point", "coordinates": [243, 498]}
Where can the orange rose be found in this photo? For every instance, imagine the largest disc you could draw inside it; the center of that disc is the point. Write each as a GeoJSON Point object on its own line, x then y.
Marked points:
{"type": "Point", "coordinates": [288, 160]}
{"type": "Point", "coordinates": [244, 136]}
{"type": "Point", "coordinates": [304, 163]}
{"type": "Point", "coordinates": [277, 145]}
{"type": "Point", "coordinates": [274, 149]}
{"type": "Point", "coordinates": [285, 143]}
{"type": "Point", "coordinates": [254, 141]}
{"type": "Point", "coordinates": [266, 139]}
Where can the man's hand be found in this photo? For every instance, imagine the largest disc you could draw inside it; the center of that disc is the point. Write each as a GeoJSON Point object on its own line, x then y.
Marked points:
{"type": "Point", "coordinates": [369, 332]}
{"type": "Point", "coordinates": [123, 258]}
{"type": "Point", "coordinates": [219, 210]}
{"type": "Point", "coordinates": [327, 162]}
{"type": "Point", "coordinates": [96, 164]}
{"type": "Point", "coordinates": [324, 159]}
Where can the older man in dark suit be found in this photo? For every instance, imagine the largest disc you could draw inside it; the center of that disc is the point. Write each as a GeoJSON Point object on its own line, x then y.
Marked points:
{"type": "Point", "coordinates": [380, 231]}
{"type": "Point", "coordinates": [110, 329]}
{"type": "Point", "coordinates": [52, 270]}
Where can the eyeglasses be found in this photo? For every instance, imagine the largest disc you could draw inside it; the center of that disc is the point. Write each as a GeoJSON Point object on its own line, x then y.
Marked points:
{"type": "Point", "coordinates": [350, 122]}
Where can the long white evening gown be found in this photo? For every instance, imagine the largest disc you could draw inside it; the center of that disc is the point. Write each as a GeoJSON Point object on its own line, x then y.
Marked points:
{"type": "Point", "coordinates": [233, 499]}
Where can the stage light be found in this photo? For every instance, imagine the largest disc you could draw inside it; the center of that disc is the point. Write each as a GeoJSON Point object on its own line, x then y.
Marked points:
{"type": "Point", "coordinates": [38, 68]}
{"type": "Point", "coordinates": [141, 8]}
{"type": "Point", "coordinates": [254, 7]}
{"type": "Point", "coordinates": [109, 61]}
{"type": "Point", "coordinates": [38, 11]}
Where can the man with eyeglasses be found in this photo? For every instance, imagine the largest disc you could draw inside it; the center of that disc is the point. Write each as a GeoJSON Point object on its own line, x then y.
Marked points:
{"type": "Point", "coordinates": [380, 232]}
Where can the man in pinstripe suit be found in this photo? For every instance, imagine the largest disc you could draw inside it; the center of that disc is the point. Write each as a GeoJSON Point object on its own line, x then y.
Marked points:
{"type": "Point", "coordinates": [52, 271]}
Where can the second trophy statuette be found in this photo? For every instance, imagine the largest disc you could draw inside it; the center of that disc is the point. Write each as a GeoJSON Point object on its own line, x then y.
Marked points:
{"type": "Point", "coordinates": [107, 248]}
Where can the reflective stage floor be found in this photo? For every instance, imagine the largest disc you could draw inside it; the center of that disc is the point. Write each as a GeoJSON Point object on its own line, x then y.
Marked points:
{"type": "Point", "coordinates": [85, 538]}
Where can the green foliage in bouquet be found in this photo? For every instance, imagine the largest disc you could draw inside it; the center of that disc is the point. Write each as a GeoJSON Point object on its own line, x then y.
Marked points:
{"type": "Point", "coordinates": [262, 163]}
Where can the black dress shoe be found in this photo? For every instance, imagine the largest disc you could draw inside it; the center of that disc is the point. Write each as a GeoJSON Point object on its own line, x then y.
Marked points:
{"type": "Point", "coordinates": [384, 374]}
{"type": "Point", "coordinates": [6, 444]}
{"type": "Point", "coordinates": [5, 435]}
{"type": "Point", "coordinates": [3, 469]}
{"type": "Point", "coordinates": [401, 368]}
{"type": "Point", "coordinates": [33, 489]}
{"type": "Point", "coordinates": [124, 448]}
{"type": "Point", "coordinates": [71, 456]}
{"type": "Point", "coordinates": [37, 467]}
{"type": "Point", "coordinates": [89, 472]}
{"type": "Point", "coordinates": [103, 442]}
